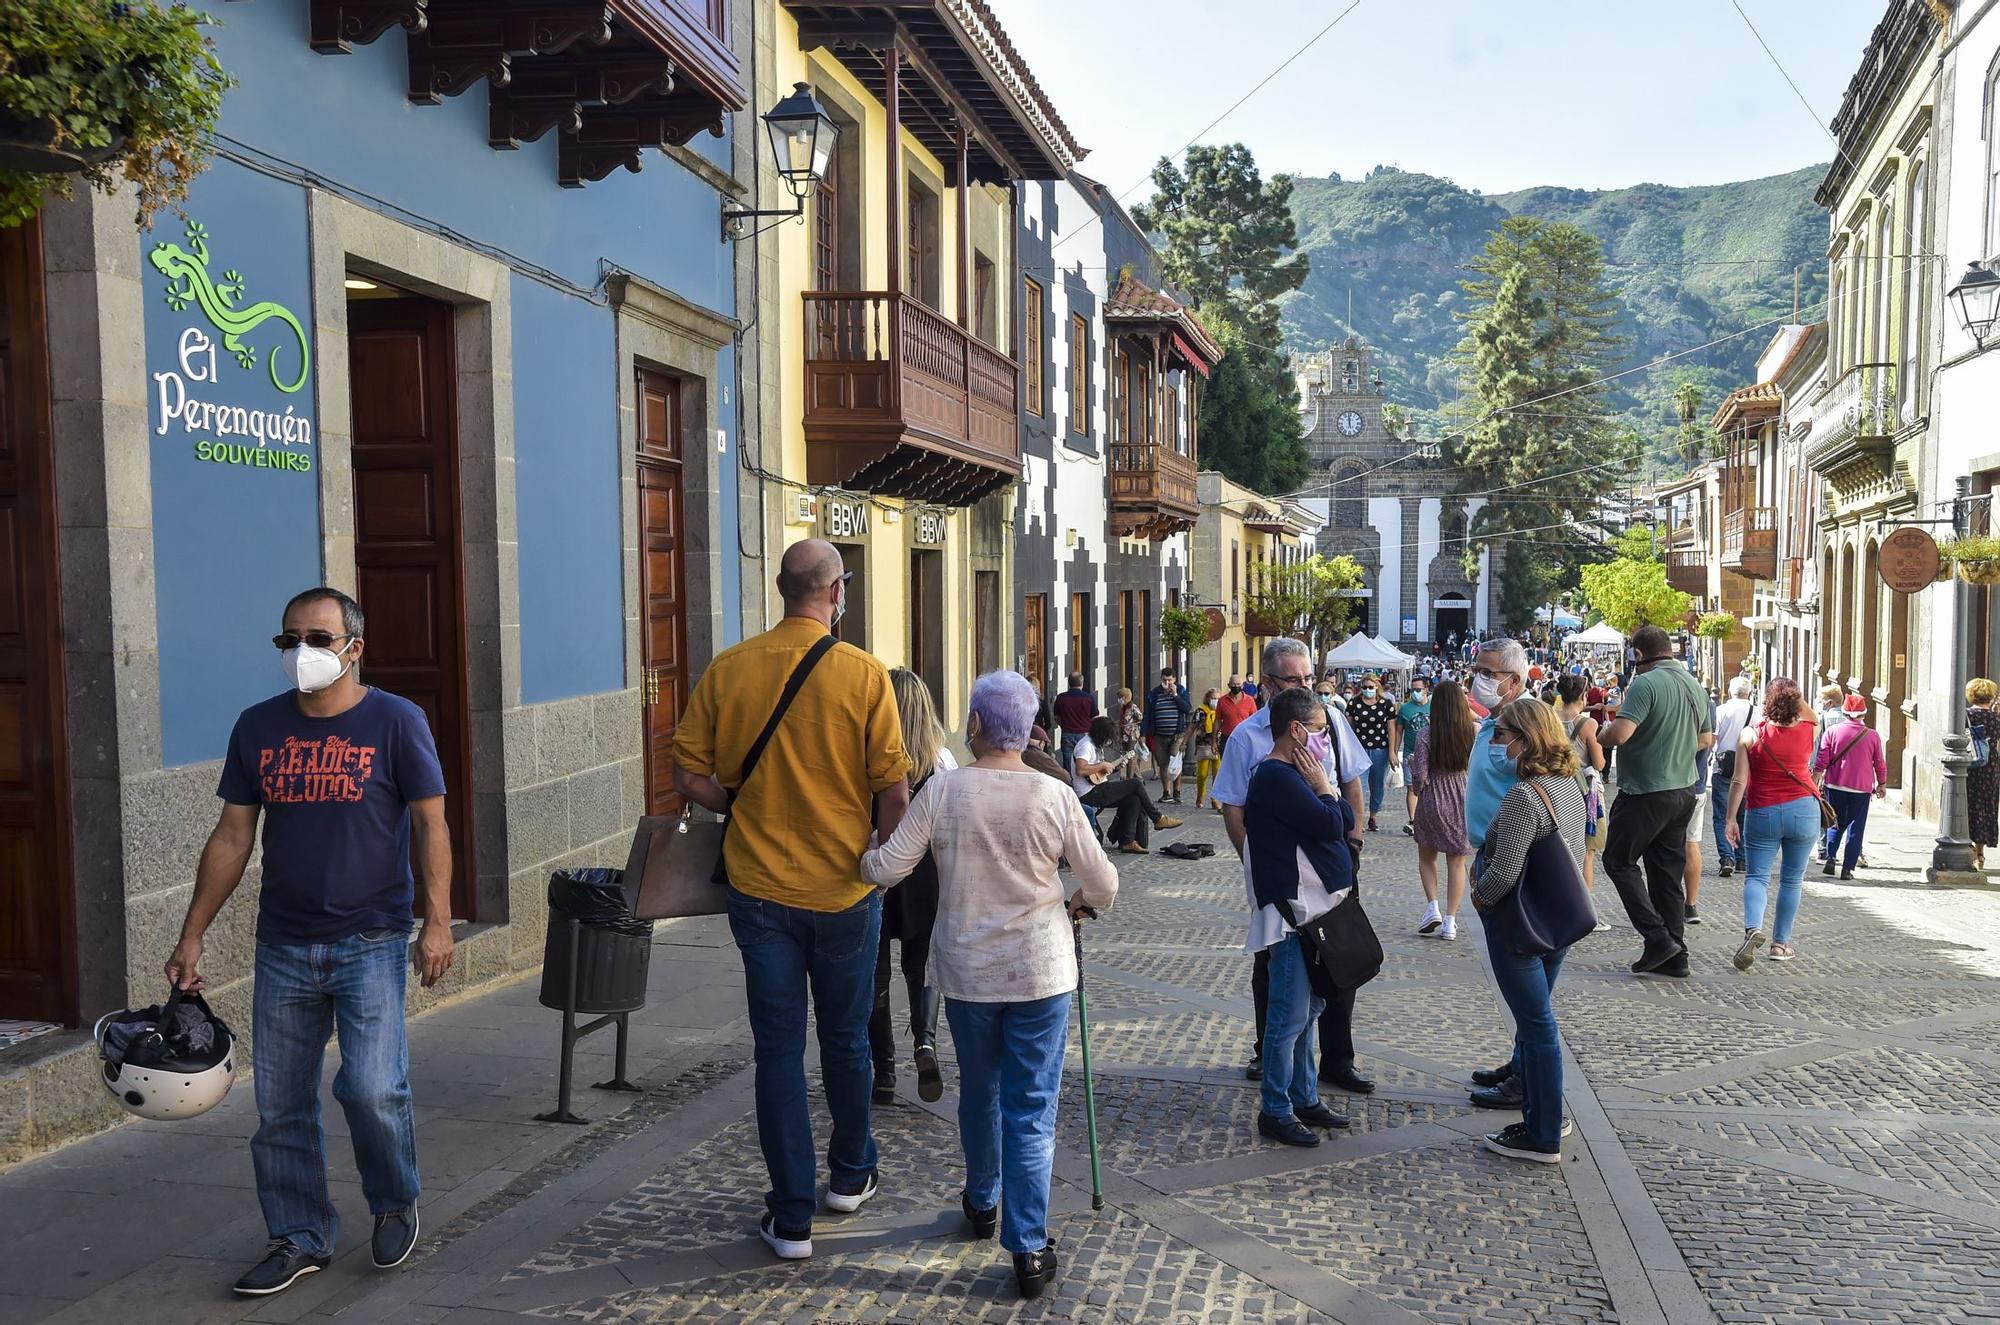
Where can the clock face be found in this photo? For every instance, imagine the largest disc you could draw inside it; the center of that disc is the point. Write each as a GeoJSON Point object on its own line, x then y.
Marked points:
{"type": "Point", "coordinates": [1350, 424]}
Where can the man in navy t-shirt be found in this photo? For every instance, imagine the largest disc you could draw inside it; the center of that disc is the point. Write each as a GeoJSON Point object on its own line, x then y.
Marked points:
{"type": "Point", "coordinates": [347, 779]}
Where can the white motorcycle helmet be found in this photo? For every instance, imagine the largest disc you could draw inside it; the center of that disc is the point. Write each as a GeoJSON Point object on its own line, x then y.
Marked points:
{"type": "Point", "coordinates": [154, 1068]}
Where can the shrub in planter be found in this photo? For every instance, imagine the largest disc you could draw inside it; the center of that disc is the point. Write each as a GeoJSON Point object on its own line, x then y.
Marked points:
{"type": "Point", "coordinates": [99, 89]}
{"type": "Point", "coordinates": [1977, 558]}
{"type": "Point", "coordinates": [1715, 625]}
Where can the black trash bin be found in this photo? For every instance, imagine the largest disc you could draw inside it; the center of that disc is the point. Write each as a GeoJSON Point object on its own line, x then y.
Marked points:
{"type": "Point", "coordinates": [613, 951]}
{"type": "Point", "coordinates": [595, 961]}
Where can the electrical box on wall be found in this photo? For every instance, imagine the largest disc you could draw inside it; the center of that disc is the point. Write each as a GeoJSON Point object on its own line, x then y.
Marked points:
{"type": "Point", "coordinates": [805, 509]}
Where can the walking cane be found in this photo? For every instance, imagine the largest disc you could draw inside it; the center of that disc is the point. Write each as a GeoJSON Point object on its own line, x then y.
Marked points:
{"type": "Point", "coordinates": [1089, 1090]}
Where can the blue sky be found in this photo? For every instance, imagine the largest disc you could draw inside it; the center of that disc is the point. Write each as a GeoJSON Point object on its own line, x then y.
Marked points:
{"type": "Point", "coordinates": [1495, 94]}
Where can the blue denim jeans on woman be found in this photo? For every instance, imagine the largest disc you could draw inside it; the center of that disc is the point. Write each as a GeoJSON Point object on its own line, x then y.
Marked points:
{"type": "Point", "coordinates": [788, 951]}
{"type": "Point", "coordinates": [303, 995]}
{"type": "Point", "coordinates": [1378, 779]}
{"type": "Point", "coordinates": [1291, 1077]}
{"type": "Point", "coordinates": [1852, 807]}
{"type": "Point", "coordinates": [1528, 986]}
{"type": "Point", "coordinates": [1010, 1061]}
{"type": "Point", "coordinates": [1781, 835]}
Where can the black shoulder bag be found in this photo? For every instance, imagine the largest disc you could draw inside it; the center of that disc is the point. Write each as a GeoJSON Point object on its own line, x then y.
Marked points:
{"type": "Point", "coordinates": [1549, 908]}
{"type": "Point", "coordinates": [1349, 953]}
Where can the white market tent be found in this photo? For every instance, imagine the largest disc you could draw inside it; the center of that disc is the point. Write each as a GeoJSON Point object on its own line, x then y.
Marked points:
{"type": "Point", "coordinates": [1601, 635]}
{"type": "Point", "coordinates": [1359, 651]}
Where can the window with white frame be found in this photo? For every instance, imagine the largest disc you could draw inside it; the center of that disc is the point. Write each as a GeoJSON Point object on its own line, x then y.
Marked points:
{"type": "Point", "coordinates": [1992, 133]}
{"type": "Point", "coordinates": [1917, 210]}
{"type": "Point", "coordinates": [1882, 281]}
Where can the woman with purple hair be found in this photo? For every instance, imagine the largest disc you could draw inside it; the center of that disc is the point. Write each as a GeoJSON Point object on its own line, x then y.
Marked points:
{"type": "Point", "coordinates": [1001, 954]}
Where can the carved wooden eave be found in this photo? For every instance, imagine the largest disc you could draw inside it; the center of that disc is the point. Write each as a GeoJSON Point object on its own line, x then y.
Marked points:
{"type": "Point", "coordinates": [612, 78]}
{"type": "Point", "coordinates": [960, 71]}
{"type": "Point", "coordinates": [1894, 49]}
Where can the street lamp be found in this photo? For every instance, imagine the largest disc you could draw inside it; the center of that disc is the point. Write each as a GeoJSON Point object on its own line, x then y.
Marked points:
{"type": "Point", "coordinates": [802, 136]}
{"type": "Point", "coordinates": [1977, 298]}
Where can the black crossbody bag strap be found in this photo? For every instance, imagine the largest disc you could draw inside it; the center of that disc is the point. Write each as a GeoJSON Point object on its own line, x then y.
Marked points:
{"type": "Point", "coordinates": [791, 692]}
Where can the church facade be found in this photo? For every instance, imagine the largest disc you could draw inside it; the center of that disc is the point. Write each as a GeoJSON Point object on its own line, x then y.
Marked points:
{"type": "Point", "coordinates": [1389, 503]}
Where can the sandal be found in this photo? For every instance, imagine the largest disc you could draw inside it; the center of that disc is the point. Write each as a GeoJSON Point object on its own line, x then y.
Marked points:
{"type": "Point", "coordinates": [1782, 952]}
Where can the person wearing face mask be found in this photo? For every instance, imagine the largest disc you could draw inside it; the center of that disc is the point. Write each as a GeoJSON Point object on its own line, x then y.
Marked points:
{"type": "Point", "coordinates": [347, 780]}
{"type": "Point", "coordinates": [1372, 715]}
{"type": "Point", "coordinates": [804, 919]}
{"type": "Point", "coordinates": [1412, 716]}
{"type": "Point", "coordinates": [1499, 676]}
{"type": "Point", "coordinates": [1300, 868]}
{"type": "Point", "coordinates": [1287, 665]}
{"type": "Point", "coordinates": [1231, 709]}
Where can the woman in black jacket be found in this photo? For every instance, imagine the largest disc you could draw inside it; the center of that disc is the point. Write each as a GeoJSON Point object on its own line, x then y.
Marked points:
{"type": "Point", "coordinates": [1295, 832]}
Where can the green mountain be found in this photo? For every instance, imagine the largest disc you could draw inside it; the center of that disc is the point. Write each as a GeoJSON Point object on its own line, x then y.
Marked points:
{"type": "Point", "coordinates": [1691, 265]}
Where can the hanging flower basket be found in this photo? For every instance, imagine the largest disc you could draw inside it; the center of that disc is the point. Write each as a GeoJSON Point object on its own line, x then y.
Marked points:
{"type": "Point", "coordinates": [34, 147]}
{"type": "Point", "coordinates": [107, 90]}
{"type": "Point", "coordinates": [1983, 571]}
{"type": "Point", "coordinates": [1715, 625]}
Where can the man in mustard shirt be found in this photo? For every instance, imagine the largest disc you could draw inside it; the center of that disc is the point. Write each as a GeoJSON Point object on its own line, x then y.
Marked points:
{"type": "Point", "coordinates": [798, 909]}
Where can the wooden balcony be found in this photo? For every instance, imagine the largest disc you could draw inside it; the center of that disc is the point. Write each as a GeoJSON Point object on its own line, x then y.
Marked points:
{"type": "Point", "coordinates": [1687, 570]}
{"type": "Point", "coordinates": [1750, 542]}
{"type": "Point", "coordinates": [903, 402]}
{"type": "Point", "coordinates": [1152, 491]}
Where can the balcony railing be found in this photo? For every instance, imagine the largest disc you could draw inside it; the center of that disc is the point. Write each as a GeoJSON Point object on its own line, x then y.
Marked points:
{"type": "Point", "coordinates": [903, 402]}
{"type": "Point", "coordinates": [1750, 542]}
{"type": "Point", "coordinates": [1857, 411]}
{"type": "Point", "coordinates": [1152, 490]}
{"type": "Point", "coordinates": [1687, 570]}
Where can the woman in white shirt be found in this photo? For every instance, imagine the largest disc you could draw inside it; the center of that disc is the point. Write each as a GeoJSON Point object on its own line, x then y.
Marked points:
{"type": "Point", "coordinates": [1002, 956]}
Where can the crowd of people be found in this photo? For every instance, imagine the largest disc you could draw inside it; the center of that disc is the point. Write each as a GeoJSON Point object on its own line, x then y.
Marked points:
{"type": "Point", "coordinates": [852, 832]}
{"type": "Point", "coordinates": [1520, 769]}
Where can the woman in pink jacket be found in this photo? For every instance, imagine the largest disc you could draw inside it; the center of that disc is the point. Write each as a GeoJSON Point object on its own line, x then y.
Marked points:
{"type": "Point", "coordinates": [1850, 764]}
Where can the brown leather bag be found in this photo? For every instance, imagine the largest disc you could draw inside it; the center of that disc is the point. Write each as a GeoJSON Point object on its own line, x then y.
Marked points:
{"type": "Point", "coordinates": [676, 865]}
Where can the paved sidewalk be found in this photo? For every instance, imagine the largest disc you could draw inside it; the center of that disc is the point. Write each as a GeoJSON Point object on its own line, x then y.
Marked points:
{"type": "Point", "coordinates": [1818, 1141]}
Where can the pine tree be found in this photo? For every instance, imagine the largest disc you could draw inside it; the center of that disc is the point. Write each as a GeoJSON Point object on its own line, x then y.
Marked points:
{"type": "Point", "coordinates": [1227, 242]}
{"type": "Point", "coordinates": [1535, 427]}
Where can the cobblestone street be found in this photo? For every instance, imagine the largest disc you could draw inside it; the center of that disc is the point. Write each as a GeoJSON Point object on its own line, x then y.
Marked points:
{"type": "Point", "coordinates": [1811, 1142]}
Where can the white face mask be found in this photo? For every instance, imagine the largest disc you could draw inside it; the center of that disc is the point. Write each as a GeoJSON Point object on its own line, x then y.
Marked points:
{"type": "Point", "coordinates": [1486, 690]}
{"type": "Point", "coordinates": [840, 605]}
{"type": "Point", "coordinates": [311, 670]}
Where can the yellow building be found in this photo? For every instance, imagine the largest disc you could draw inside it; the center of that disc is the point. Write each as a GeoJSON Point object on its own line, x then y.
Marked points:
{"type": "Point", "coordinates": [1241, 536]}
{"type": "Point", "coordinates": [888, 324]}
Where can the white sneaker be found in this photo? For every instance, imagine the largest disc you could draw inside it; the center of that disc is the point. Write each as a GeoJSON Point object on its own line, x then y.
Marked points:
{"type": "Point", "coordinates": [1449, 929]}
{"type": "Point", "coordinates": [1602, 928]}
{"type": "Point", "coordinates": [1432, 919]}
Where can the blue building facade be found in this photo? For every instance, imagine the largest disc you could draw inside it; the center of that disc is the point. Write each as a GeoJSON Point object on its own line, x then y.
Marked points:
{"type": "Point", "coordinates": [449, 323]}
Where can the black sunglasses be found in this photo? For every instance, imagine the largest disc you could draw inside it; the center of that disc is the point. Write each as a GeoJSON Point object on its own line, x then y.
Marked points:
{"type": "Point", "coordinates": [318, 639]}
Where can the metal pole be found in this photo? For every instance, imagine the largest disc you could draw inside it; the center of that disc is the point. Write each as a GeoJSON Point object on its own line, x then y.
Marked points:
{"type": "Point", "coordinates": [1089, 1089]}
{"type": "Point", "coordinates": [1951, 858]}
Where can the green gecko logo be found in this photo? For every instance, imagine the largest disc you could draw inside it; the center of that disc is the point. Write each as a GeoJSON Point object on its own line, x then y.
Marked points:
{"type": "Point", "coordinates": [188, 281]}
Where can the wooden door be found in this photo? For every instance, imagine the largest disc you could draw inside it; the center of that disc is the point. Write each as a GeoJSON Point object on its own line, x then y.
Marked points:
{"type": "Point", "coordinates": [37, 951]}
{"type": "Point", "coordinates": [1035, 636]}
{"type": "Point", "coordinates": [408, 553]}
{"type": "Point", "coordinates": [662, 585]}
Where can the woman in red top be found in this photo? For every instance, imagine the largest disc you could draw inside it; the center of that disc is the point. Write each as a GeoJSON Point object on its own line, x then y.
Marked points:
{"type": "Point", "coordinates": [1774, 781]}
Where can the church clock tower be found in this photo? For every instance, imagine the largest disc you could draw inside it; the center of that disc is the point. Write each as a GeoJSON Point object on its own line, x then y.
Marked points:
{"type": "Point", "coordinates": [1341, 397]}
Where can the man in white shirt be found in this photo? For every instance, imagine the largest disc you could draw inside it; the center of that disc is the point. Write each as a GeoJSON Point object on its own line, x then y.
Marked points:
{"type": "Point", "coordinates": [1287, 664]}
{"type": "Point", "coordinates": [1731, 716]}
{"type": "Point", "coordinates": [1131, 831]}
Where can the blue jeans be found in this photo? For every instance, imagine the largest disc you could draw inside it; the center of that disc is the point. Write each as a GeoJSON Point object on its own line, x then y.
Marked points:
{"type": "Point", "coordinates": [1790, 828]}
{"type": "Point", "coordinates": [1718, 804]}
{"type": "Point", "coordinates": [1378, 780]}
{"type": "Point", "coordinates": [787, 950]}
{"type": "Point", "coordinates": [1010, 1061]}
{"type": "Point", "coordinates": [303, 995]}
{"type": "Point", "coordinates": [1528, 985]}
{"type": "Point", "coordinates": [1291, 1078]}
{"type": "Point", "coordinates": [1852, 807]}
{"type": "Point", "coordinates": [1070, 740]}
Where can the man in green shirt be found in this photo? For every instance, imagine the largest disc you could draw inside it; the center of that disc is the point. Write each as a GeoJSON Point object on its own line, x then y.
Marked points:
{"type": "Point", "coordinates": [1663, 723]}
